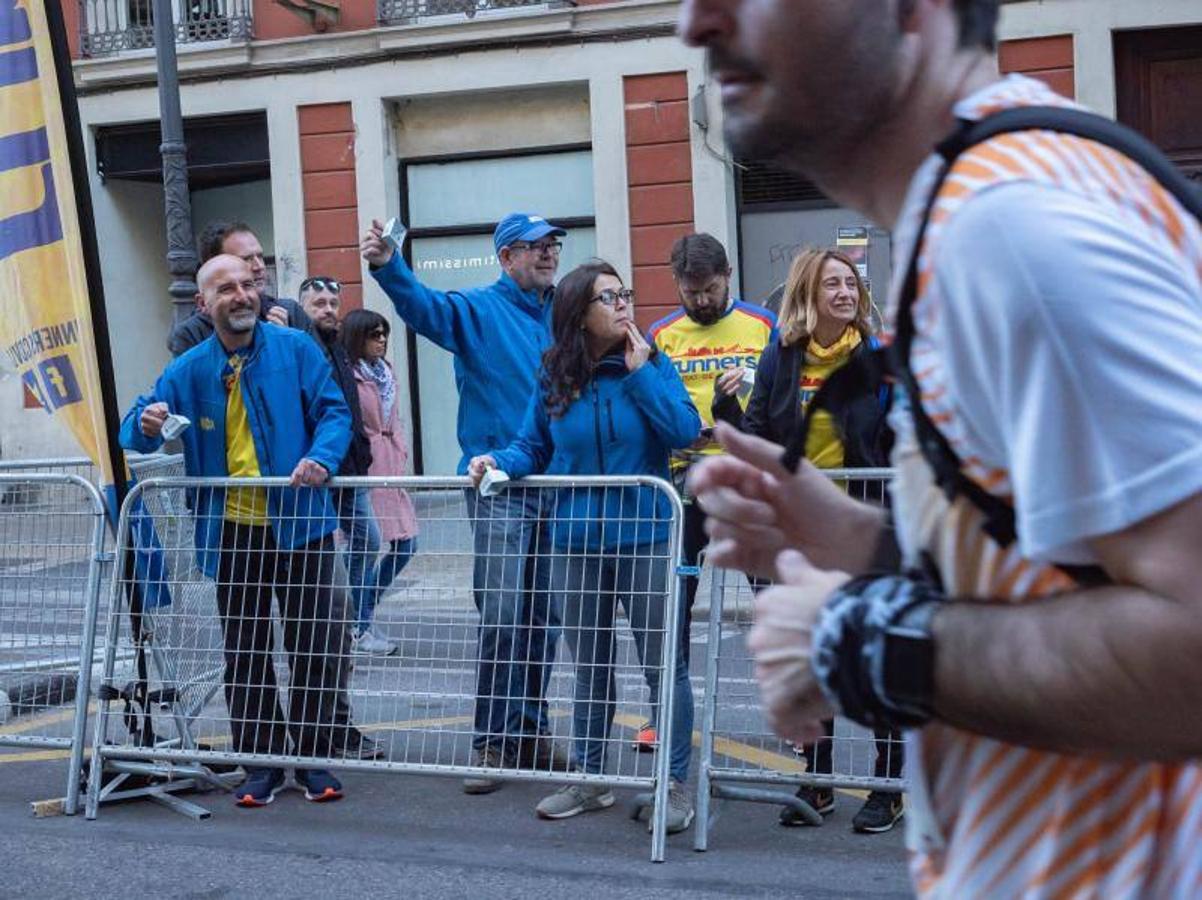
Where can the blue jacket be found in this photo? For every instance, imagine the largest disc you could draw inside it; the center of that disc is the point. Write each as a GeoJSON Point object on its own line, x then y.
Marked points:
{"type": "Point", "coordinates": [295, 408]}
{"type": "Point", "coordinates": [497, 333]}
{"type": "Point", "coordinates": [624, 423]}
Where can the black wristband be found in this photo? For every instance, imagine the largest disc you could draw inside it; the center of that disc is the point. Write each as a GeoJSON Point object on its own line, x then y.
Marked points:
{"type": "Point", "coordinates": [873, 653]}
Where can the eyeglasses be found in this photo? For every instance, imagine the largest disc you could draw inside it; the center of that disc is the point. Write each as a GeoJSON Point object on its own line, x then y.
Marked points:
{"type": "Point", "coordinates": [542, 249]}
{"type": "Point", "coordinates": [321, 283]}
{"type": "Point", "coordinates": [378, 335]}
{"type": "Point", "coordinates": [610, 297]}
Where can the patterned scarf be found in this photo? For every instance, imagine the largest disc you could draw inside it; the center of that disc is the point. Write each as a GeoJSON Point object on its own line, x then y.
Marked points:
{"type": "Point", "coordinates": [381, 373]}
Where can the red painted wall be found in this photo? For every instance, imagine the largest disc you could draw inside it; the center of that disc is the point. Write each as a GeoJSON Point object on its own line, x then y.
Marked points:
{"type": "Point", "coordinates": [1049, 59]}
{"type": "Point", "coordinates": [327, 145]}
{"type": "Point", "coordinates": [659, 171]}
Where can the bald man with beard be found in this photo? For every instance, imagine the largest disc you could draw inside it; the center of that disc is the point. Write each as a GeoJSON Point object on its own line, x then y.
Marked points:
{"type": "Point", "coordinates": [262, 402]}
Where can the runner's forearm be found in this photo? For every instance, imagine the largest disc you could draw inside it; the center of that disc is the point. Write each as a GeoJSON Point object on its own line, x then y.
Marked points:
{"type": "Point", "coordinates": [1113, 671]}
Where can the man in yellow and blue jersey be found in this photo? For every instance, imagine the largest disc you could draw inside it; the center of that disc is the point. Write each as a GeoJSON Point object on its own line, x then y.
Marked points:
{"type": "Point", "coordinates": [715, 343]}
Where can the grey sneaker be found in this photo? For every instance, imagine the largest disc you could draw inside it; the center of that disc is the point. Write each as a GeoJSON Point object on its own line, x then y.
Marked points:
{"type": "Point", "coordinates": [488, 758]}
{"type": "Point", "coordinates": [370, 643]}
{"type": "Point", "coordinates": [574, 799]}
{"type": "Point", "coordinates": [680, 809]}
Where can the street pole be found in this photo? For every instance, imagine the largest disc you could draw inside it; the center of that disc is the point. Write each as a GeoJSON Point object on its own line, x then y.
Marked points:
{"type": "Point", "coordinates": [181, 248]}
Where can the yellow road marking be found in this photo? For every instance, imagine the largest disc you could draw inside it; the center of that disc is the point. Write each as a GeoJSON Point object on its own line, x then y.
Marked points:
{"type": "Point", "coordinates": [46, 718]}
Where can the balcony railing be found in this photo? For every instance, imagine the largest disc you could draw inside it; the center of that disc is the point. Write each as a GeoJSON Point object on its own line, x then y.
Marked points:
{"type": "Point", "coordinates": [406, 12]}
{"type": "Point", "coordinates": [110, 26]}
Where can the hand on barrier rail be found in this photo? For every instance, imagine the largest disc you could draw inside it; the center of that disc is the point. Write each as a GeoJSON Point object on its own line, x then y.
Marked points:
{"type": "Point", "coordinates": [308, 474]}
{"type": "Point", "coordinates": [781, 640]}
{"type": "Point", "coordinates": [153, 417]}
{"type": "Point", "coordinates": [756, 508]}
{"type": "Point", "coordinates": [478, 466]}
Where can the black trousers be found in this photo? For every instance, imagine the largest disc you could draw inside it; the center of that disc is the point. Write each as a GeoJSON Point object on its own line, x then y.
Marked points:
{"type": "Point", "coordinates": [888, 753]}
{"type": "Point", "coordinates": [251, 570]}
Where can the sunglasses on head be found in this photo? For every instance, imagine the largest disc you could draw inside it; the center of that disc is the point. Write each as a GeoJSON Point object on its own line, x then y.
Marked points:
{"type": "Point", "coordinates": [322, 283]}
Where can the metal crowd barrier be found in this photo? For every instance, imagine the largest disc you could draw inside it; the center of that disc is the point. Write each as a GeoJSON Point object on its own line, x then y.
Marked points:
{"type": "Point", "coordinates": [732, 716]}
{"type": "Point", "coordinates": [51, 553]}
{"type": "Point", "coordinates": [223, 664]}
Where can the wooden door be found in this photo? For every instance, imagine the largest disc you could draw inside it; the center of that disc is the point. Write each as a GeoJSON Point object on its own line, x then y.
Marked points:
{"type": "Point", "coordinates": [1158, 75]}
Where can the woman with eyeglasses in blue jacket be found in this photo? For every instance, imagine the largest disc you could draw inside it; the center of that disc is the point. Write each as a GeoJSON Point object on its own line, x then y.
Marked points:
{"type": "Point", "coordinates": [607, 404]}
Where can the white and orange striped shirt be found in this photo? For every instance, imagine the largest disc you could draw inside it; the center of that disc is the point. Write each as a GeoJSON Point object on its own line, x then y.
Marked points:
{"type": "Point", "coordinates": [1058, 348]}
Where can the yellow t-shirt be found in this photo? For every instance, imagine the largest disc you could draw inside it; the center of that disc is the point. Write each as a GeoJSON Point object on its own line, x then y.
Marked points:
{"type": "Point", "coordinates": [246, 506]}
{"type": "Point", "coordinates": [824, 448]}
{"type": "Point", "coordinates": [701, 353]}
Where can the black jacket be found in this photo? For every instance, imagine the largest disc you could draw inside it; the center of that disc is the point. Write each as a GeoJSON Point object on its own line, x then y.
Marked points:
{"type": "Point", "coordinates": [358, 455]}
{"type": "Point", "coordinates": [198, 326]}
{"type": "Point", "coordinates": [774, 411]}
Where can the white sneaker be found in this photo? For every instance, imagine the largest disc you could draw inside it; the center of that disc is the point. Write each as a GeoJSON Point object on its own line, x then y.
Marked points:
{"type": "Point", "coordinates": [368, 643]}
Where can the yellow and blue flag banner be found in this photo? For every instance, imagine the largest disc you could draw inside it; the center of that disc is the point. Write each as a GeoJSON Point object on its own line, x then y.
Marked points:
{"type": "Point", "coordinates": [46, 328]}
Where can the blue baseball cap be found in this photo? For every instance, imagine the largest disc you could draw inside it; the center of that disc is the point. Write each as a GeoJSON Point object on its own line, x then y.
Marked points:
{"type": "Point", "coordinates": [519, 226]}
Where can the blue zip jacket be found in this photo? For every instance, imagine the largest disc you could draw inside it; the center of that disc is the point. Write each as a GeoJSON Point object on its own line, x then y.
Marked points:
{"type": "Point", "coordinates": [295, 409]}
{"type": "Point", "coordinates": [624, 423]}
{"type": "Point", "coordinates": [497, 333]}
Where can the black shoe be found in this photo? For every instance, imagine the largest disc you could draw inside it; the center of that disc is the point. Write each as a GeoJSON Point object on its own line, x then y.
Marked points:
{"type": "Point", "coordinates": [260, 787]}
{"type": "Point", "coordinates": [820, 799]}
{"type": "Point", "coordinates": [541, 753]}
{"type": "Point", "coordinates": [363, 748]}
{"type": "Point", "coordinates": [880, 812]}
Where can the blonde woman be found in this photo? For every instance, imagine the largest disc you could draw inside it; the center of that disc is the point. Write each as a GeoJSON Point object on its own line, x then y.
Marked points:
{"type": "Point", "coordinates": [825, 321]}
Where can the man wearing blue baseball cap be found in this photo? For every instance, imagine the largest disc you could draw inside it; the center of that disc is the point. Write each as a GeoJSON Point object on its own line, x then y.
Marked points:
{"type": "Point", "coordinates": [497, 334]}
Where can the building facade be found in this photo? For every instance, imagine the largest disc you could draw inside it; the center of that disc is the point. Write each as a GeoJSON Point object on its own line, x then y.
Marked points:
{"type": "Point", "coordinates": [309, 118]}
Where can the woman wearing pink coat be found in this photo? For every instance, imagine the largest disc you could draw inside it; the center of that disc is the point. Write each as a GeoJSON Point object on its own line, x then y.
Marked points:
{"type": "Point", "coordinates": [365, 336]}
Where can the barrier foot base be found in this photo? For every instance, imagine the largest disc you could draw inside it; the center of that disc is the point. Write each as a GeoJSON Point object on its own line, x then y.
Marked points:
{"type": "Point", "coordinates": [643, 802]}
{"type": "Point", "coordinates": [193, 811]}
{"type": "Point", "coordinates": [764, 795]}
{"type": "Point", "coordinates": [179, 779]}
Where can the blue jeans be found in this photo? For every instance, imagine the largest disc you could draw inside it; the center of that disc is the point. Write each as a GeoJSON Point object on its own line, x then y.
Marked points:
{"type": "Point", "coordinates": [589, 587]}
{"type": "Point", "coordinates": [519, 620]}
{"type": "Point", "coordinates": [369, 577]}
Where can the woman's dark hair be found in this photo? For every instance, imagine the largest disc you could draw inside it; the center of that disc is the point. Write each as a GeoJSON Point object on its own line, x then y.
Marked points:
{"type": "Point", "coordinates": [567, 365]}
{"type": "Point", "coordinates": [356, 327]}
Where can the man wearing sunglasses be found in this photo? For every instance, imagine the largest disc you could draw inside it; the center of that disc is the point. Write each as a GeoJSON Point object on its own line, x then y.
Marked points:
{"type": "Point", "coordinates": [321, 298]}
{"type": "Point", "coordinates": [234, 239]}
{"type": "Point", "coordinates": [497, 334]}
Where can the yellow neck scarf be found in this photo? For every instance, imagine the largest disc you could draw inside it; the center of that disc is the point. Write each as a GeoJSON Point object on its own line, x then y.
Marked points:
{"type": "Point", "coordinates": [836, 353]}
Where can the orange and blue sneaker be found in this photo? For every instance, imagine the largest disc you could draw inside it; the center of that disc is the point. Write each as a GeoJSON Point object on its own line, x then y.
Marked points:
{"type": "Point", "coordinates": [259, 788]}
{"type": "Point", "coordinates": [646, 739]}
{"type": "Point", "coordinates": [319, 785]}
